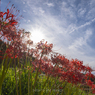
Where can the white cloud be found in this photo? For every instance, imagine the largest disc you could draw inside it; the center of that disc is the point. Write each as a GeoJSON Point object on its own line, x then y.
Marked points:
{"type": "Point", "coordinates": [41, 10]}
{"type": "Point", "coordinates": [81, 26]}
{"type": "Point", "coordinates": [50, 4]}
{"type": "Point", "coordinates": [24, 10]}
{"type": "Point", "coordinates": [92, 2]}
{"type": "Point", "coordinates": [88, 34]}
{"type": "Point", "coordinates": [79, 42]}
{"type": "Point", "coordinates": [90, 15]}
{"type": "Point", "coordinates": [23, 2]}
{"type": "Point", "coordinates": [81, 50]}
{"type": "Point", "coordinates": [67, 11]}
{"type": "Point", "coordinates": [59, 31]}
{"type": "Point", "coordinates": [81, 12]}
{"type": "Point", "coordinates": [28, 21]}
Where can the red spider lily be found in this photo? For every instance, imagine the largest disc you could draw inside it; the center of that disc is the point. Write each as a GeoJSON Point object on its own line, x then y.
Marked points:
{"type": "Point", "coordinates": [89, 82]}
{"type": "Point", "coordinates": [92, 87]}
{"type": "Point", "coordinates": [47, 68]}
{"type": "Point", "coordinates": [76, 64]}
{"type": "Point", "coordinates": [29, 42]}
{"type": "Point", "coordinates": [56, 72]}
{"type": "Point", "coordinates": [7, 22]}
{"type": "Point", "coordinates": [59, 59]}
{"type": "Point", "coordinates": [1, 14]}
{"type": "Point", "coordinates": [9, 33]}
{"type": "Point", "coordinates": [10, 52]}
{"type": "Point", "coordinates": [44, 47]}
{"type": "Point", "coordinates": [72, 69]}
{"type": "Point", "coordinates": [89, 75]}
{"type": "Point", "coordinates": [93, 91]}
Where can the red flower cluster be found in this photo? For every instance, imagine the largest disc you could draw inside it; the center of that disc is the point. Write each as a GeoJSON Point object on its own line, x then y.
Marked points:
{"type": "Point", "coordinates": [8, 18]}
{"type": "Point", "coordinates": [67, 70]}
{"type": "Point", "coordinates": [44, 47]}
{"type": "Point", "coordinates": [10, 34]}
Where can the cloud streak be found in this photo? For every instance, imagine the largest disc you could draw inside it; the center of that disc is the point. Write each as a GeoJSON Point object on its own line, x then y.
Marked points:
{"type": "Point", "coordinates": [84, 25]}
{"type": "Point", "coordinates": [68, 24]}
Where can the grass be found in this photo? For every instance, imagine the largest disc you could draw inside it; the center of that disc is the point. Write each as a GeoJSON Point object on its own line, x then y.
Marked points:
{"type": "Point", "coordinates": [26, 79]}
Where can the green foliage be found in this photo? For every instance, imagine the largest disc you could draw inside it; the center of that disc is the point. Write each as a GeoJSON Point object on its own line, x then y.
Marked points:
{"type": "Point", "coordinates": [52, 86]}
{"type": "Point", "coordinates": [8, 87]}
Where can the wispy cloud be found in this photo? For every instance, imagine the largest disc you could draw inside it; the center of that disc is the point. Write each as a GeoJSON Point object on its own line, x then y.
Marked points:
{"type": "Point", "coordinates": [87, 23]}
{"type": "Point", "coordinates": [50, 4]}
{"type": "Point", "coordinates": [68, 24]}
{"type": "Point", "coordinates": [82, 41]}
{"type": "Point", "coordinates": [24, 11]}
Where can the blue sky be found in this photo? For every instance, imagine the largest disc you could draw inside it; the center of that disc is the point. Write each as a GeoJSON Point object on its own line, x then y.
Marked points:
{"type": "Point", "coordinates": [68, 24]}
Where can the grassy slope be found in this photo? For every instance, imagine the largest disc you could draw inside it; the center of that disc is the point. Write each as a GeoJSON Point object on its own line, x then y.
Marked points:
{"type": "Point", "coordinates": [9, 87]}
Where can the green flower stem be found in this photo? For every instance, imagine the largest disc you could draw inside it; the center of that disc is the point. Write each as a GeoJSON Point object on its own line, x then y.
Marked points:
{"type": "Point", "coordinates": [31, 82]}
{"type": "Point", "coordinates": [37, 74]}
{"type": "Point", "coordinates": [16, 78]}
{"type": "Point", "coordinates": [35, 79]}
{"type": "Point", "coordinates": [28, 62]}
{"type": "Point", "coordinates": [53, 85]}
{"type": "Point", "coordinates": [28, 82]}
{"type": "Point", "coordinates": [41, 93]}
{"type": "Point", "coordinates": [4, 72]}
{"type": "Point", "coordinates": [31, 85]}
{"type": "Point", "coordinates": [19, 78]}
{"type": "Point", "coordinates": [82, 89]}
{"type": "Point", "coordinates": [59, 86]}
{"type": "Point", "coordinates": [64, 87]}
{"type": "Point", "coordinates": [20, 82]}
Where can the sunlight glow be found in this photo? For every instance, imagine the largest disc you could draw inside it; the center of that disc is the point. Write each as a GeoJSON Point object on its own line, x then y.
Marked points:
{"type": "Point", "coordinates": [37, 35]}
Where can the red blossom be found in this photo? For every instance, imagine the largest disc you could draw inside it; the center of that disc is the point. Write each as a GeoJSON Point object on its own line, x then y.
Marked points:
{"type": "Point", "coordinates": [89, 82]}
{"type": "Point", "coordinates": [1, 14]}
{"type": "Point", "coordinates": [93, 91]}
{"type": "Point", "coordinates": [93, 86]}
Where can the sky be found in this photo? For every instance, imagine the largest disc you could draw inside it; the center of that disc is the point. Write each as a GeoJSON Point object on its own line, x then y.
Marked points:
{"type": "Point", "coordinates": [68, 24]}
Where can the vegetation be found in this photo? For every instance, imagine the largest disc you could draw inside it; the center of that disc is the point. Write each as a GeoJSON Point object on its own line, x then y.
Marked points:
{"type": "Point", "coordinates": [9, 88]}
